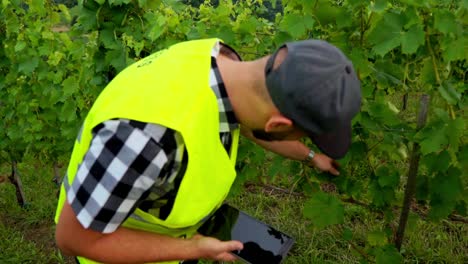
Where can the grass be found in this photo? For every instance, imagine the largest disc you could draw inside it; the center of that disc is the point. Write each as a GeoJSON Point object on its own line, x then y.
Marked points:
{"type": "Point", "coordinates": [26, 234]}
{"type": "Point", "coordinates": [425, 242]}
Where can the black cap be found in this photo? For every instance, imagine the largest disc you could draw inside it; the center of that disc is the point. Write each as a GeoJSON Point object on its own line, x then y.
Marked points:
{"type": "Point", "coordinates": [317, 88]}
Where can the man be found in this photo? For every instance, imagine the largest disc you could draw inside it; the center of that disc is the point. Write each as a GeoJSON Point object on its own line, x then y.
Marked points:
{"type": "Point", "coordinates": [156, 153]}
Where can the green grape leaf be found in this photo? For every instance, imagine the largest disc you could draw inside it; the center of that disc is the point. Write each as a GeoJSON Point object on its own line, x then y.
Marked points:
{"type": "Point", "coordinates": [55, 58]}
{"type": "Point", "coordinates": [367, 90]}
{"type": "Point", "coordinates": [387, 177]}
{"type": "Point", "coordinates": [412, 17]}
{"type": "Point", "coordinates": [379, 6]}
{"type": "Point", "coordinates": [342, 20]}
{"type": "Point", "coordinates": [68, 111]}
{"type": "Point", "coordinates": [445, 21]}
{"type": "Point", "coordinates": [454, 49]}
{"type": "Point", "coordinates": [324, 11]}
{"type": "Point", "coordinates": [355, 3]}
{"type": "Point", "coordinates": [70, 86]}
{"type": "Point", "coordinates": [447, 189]}
{"type": "Point", "coordinates": [294, 168]}
{"type": "Point", "coordinates": [66, 14]}
{"type": "Point", "coordinates": [276, 166]}
{"type": "Point", "coordinates": [437, 162]}
{"type": "Point", "coordinates": [38, 7]}
{"type": "Point", "coordinates": [449, 93]}
{"type": "Point", "coordinates": [383, 113]}
{"type": "Point", "coordinates": [249, 25]}
{"type": "Point", "coordinates": [386, 35]}
{"type": "Point", "coordinates": [361, 63]}
{"type": "Point", "coordinates": [381, 196]}
{"type": "Point", "coordinates": [29, 65]}
{"type": "Point", "coordinates": [296, 24]}
{"type": "Point", "coordinates": [440, 208]}
{"type": "Point", "coordinates": [310, 189]}
{"type": "Point", "coordinates": [388, 254]}
{"type": "Point", "coordinates": [108, 38]}
{"type": "Point", "coordinates": [427, 72]}
{"type": "Point", "coordinates": [20, 45]}
{"type": "Point", "coordinates": [463, 157]}
{"type": "Point", "coordinates": [309, 22]}
{"type": "Point", "coordinates": [455, 130]}
{"type": "Point", "coordinates": [157, 28]}
{"type": "Point", "coordinates": [116, 58]}
{"type": "Point", "coordinates": [432, 137]}
{"type": "Point", "coordinates": [225, 33]}
{"type": "Point", "coordinates": [465, 4]}
{"type": "Point", "coordinates": [412, 39]}
{"type": "Point", "coordinates": [377, 238]}
{"type": "Point", "coordinates": [443, 115]}
{"type": "Point", "coordinates": [142, 3]}
{"type": "Point", "coordinates": [257, 156]}
{"type": "Point", "coordinates": [448, 185]}
{"type": "Point", "coordinates": [388, 73]}
{"type": "Point", "coordinates": [119, 2]}
{"type": "Point", "coordinates": [324, 210]}
{"type": "Point", "coordinates": [417, 3]}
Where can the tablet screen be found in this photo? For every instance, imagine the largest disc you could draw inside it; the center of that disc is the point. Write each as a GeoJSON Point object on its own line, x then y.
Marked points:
{"type": "Point", "coordinates": [262, 243]}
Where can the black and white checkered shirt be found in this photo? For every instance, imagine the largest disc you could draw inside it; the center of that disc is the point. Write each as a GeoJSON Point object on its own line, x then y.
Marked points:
{"type": "Point", "coordinates": [132, 165]}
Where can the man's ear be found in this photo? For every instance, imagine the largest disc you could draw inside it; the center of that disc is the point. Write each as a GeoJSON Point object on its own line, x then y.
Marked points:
{"type": "Point", "coordinates": [278, 123]}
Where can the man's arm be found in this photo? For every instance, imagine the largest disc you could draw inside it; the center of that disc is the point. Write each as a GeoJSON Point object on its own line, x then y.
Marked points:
{"type": "Point", "coordinates": [295, 150]}
{"type": "Point", "coordinates": [133, 246]}
{"type": "Point", "coordinates": [125, 160]}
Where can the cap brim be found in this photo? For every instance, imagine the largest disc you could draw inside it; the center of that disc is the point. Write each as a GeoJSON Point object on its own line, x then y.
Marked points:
{"type": "Point", "coordinates": [334, 144]}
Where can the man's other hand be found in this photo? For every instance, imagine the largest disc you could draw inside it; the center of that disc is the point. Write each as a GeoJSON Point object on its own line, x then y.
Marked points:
{"type": "Point", "coordinates": [326, 164]}
{"type": "Point", "coordinates": [214, 249]}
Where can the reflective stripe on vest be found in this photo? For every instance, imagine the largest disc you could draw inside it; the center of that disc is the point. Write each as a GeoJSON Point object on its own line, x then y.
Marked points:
{"type": "Point", "coordinates": [171, 88]}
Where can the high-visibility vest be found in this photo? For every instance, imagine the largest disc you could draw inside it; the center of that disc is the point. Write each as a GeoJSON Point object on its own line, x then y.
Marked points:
{"type": "Point", "coordinates": [170, 87]}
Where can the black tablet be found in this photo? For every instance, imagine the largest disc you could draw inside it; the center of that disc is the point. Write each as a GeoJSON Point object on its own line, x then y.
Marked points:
{"type": "Point", "coordinates": [262, 243]}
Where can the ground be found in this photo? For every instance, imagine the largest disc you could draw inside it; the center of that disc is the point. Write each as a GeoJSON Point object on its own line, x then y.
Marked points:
{"type": "Point", "coordinates": [27, 233]}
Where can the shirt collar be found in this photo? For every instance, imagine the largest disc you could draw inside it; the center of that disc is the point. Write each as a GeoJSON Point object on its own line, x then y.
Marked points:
{"type": "Point", "coordinates": [227, 118]}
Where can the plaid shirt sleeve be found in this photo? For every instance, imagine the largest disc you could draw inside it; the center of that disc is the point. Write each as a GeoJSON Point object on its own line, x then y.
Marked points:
{"type": "Point", "coordinates": [124, 161]}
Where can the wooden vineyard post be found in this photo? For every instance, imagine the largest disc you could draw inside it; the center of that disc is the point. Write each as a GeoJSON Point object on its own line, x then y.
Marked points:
{"type": "Point", "coordinates": [16, 181]}
{"type": "Point", "coordinates": [412, 174]}
{"type": "Point", "coordinates": [57, 178]}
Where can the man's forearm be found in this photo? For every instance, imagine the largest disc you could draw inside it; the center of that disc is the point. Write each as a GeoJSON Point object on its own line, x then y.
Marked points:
{"type": "Point", "coordinates": [133, 246]}
{"type": "Point", "coordinates": [295, 150]}
{"type": "Point", "coordinates": [122, 246]}
{"type": "Point", "coordinates": [298, 151]}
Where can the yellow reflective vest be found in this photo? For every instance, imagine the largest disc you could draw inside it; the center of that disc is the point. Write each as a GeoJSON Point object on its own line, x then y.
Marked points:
{"type": "Point", "coordinates": [171, 88]}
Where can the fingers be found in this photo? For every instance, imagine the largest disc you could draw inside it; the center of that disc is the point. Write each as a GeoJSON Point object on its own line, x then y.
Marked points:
{"type": "Point", "coordinates": [232, 245]}
{"type": "Point", "coordinates": [214, 249]}
{"type": "Point", "coordinates": [334, 171]}
{"type": "Point", "coordinates": [334, 168]}
{"type": "Point", "coordinates": [227, 257]}
{"type": "Point", "coordinates": [226, 248]}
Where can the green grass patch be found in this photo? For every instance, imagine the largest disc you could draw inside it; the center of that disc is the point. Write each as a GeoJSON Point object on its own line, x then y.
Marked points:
{"type": "Point", "coordinates": [425, 242]}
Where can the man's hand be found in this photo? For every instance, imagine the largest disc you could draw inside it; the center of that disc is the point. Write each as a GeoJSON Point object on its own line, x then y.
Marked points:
{"type": "Point", "coordinates": [214, 249]}
{"type": "Point", "coordinates": [127, 245]}
{"type": "Point", "coordinates": [325, 163]}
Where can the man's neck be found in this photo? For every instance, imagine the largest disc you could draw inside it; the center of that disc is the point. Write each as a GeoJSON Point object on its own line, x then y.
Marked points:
{"type": "Point", "coordinates": [241, 78]}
